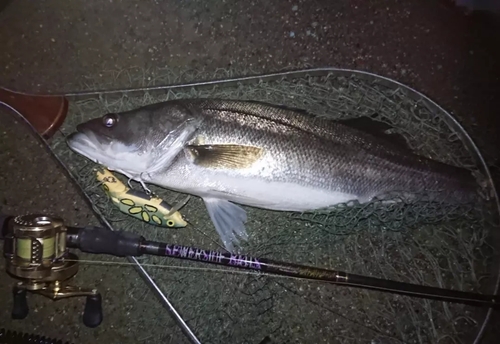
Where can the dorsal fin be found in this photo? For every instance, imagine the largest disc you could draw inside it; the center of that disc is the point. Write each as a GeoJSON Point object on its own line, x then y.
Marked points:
{"type": "Point", "coordinates": [376, 128]}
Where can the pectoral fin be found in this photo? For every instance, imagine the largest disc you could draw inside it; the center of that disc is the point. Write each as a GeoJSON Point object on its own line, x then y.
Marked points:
{"type": "Point", "coordinates": [224, 156]}
{"type": "Point", "coordinates": [228, 219]}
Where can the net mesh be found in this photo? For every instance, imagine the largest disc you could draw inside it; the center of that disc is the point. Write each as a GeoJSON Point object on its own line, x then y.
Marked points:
{"type": "Point", "coordinates": [418, 242]}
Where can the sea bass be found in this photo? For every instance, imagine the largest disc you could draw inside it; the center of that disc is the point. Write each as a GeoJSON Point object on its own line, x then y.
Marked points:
{"type": "Point", "coordinates": [261, 155]}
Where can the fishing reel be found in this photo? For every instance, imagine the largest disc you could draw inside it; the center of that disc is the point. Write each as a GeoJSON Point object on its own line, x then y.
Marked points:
{"type": "Point", "coordinates": [36, 254]}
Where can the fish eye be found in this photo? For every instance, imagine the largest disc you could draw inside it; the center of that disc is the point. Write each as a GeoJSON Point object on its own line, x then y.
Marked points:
{"type": "Point", "coordinates": [109, 120]}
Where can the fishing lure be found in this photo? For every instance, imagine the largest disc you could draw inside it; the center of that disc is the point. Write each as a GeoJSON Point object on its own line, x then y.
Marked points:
{"type": "Point", "coordinates": [136, 203]}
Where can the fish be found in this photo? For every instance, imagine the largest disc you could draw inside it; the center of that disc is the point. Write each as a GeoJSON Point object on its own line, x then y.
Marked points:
{"type": "Point", "coordinates": [236, 153]}
{"type": "Point", "coordinates": [139, 204]}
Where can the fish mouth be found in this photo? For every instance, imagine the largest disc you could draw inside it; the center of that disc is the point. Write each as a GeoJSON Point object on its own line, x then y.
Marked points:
{"type": "Point", "coordinates": [91, 145]}
{"type": "Point", "coordinates": [88, 145]}
{"type": "Point", "coordinates": [108, 152]}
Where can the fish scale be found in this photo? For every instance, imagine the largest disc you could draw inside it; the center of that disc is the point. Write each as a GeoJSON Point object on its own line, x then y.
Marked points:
{"type": "Point", "coordinates": [261, 155]}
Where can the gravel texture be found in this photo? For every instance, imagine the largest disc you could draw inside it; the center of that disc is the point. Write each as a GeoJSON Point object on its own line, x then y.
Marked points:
{"type": "Point", "coordinates": [58, 46]}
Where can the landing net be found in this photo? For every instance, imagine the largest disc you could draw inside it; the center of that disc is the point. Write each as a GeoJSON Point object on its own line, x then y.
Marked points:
{"type": "Point", "coordinates": [418, 242]}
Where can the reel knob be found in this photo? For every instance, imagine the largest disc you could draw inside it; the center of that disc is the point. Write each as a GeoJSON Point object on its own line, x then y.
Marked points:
{"type": "Point", "coordinates": [20, 307]}
{"type": "Point", "coordinates": [92, 314]}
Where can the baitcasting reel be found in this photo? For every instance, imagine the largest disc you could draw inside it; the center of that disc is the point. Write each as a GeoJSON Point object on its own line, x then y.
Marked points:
{"type": "Point", "coordinates": [36, 253]}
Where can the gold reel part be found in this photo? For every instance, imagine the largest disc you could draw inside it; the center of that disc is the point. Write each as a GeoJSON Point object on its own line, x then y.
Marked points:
{"type": "Point", "coordinates": [38, 248]}
{"type": "Point", "coordinates": [36, 253]}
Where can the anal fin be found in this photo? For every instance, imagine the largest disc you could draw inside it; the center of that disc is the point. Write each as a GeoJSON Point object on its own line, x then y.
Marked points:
{"type": "Point", "coordinates": [228, 219]}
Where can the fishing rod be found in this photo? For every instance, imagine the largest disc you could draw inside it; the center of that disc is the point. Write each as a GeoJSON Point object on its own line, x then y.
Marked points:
{"type": "Point", "coordinates": [119, 243]}
{"type": "Point", "coordinates": [35, 242]}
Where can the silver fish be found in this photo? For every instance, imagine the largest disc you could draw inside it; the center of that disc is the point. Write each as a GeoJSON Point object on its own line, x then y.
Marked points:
{"type": "Point", "coordinates": [261, 155]}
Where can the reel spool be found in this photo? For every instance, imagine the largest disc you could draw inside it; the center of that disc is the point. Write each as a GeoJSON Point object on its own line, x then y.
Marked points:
{"type": "Point", "coordinates": [36, 253]}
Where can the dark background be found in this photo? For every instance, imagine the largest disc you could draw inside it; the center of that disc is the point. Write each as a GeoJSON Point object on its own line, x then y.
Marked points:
{"type": "Point", "coordinates": [446, 52]}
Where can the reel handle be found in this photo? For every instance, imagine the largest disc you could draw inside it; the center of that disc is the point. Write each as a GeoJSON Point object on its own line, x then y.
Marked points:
{"type": "Point", "coordinates": [20, 307]}
{"type": "Point", "coordinates": [92, 314]}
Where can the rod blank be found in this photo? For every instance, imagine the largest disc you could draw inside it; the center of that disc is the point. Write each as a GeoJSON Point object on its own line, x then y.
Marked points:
{"type": "Point", "coordinates": [120, 243]}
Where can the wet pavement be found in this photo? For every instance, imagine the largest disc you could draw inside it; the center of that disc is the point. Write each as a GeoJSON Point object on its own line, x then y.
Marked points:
{"type": "Point", "coordinates": [61, 46]}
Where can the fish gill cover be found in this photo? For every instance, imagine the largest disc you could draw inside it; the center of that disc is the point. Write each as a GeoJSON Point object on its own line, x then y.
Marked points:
{"type": "Point", "coordinates": [411, 241]}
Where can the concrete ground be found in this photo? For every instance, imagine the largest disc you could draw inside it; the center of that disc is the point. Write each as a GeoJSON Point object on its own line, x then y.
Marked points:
{"type": "Point", "coordinates": [58, 45]}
